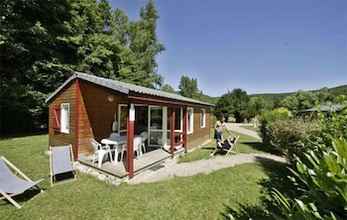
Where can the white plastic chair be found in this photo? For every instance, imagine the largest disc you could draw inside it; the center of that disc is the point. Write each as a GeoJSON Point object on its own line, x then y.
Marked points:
{"type": "Point", "coordinates": [99, 152]}
{"type": "Point", "coordinates": [137, 146]}
{"type": "Point", "coordinates": [144, 136]}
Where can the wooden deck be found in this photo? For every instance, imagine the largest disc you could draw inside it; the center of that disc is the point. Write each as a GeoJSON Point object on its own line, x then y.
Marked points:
{"type": "Point", "coordinates": [146, 161]}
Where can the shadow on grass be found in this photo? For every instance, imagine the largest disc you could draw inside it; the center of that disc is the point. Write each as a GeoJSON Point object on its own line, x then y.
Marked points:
{"type": "Point", "coordinates": [246, 213]}
{"type": "Point", "coordinates": [10, 136]}
{"type": "Point", "coordinates": [24, 197]}
{"type": "Point", "coordinates": [277, 173]}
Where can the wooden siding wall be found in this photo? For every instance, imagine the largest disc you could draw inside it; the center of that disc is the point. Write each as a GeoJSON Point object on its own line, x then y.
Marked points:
{"type": "Point", "coordinates": [199, 135]}
{"type": "Point", "coordinates": [95, 117]}
{"type": "Point", "coordinates": [97, 113]}
{"type": "Point", "coordinates": [67, 95]}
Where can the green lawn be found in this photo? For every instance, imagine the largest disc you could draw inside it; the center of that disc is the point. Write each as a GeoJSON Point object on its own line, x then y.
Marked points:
{"type": "Point", "coordinates": [196, 197]}
{"type": "Point", "coordinates": [246, 144]}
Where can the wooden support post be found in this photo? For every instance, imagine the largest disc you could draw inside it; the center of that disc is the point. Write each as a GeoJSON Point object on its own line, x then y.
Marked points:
{"type": "Point", "coordinates": [77, 112]}
{"type": "Point", "coordinates": [172, 131]}
{"type": "Point", "coordinates": [130, 142]}
{"type": "Point", "coordinates": [185, 129]}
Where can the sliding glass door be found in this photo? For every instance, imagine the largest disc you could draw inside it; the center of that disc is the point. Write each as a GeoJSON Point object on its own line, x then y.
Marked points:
{"type": "Point", "coordinates": [157, 126]}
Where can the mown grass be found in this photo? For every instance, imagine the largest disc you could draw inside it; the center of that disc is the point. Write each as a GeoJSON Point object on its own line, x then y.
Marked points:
{"type": "Point", "coordinates": [246, 144]}
{"type": "Point", "coordinates": [196, 197]}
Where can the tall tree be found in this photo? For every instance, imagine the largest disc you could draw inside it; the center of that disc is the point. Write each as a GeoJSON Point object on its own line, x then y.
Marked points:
{"type": "Point", "coordinates": [234, 103]}
{"type": "Point", "coordinates": [299, 101]}
{"type": "Point", "coordinates": [167, 88]}
{"type": "Point", "coordinates": [256, 106]}
{"type": "Point", "coordinates": [144, 46]}
{"type": "Point", "coordinates": [41, 42]}
{"type": "Point", "coordinates": [188, 87]}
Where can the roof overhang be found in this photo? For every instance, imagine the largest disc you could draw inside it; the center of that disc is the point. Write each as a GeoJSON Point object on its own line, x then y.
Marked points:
{"type": "Point", "coordinates": [129, 89]}
{"type": "Point", "coordinates": [78, 76]}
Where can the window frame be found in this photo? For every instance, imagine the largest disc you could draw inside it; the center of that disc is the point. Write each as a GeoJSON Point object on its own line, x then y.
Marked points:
{"type": "Point", "coordinates": [190, 128]}
{"type": "Point", "coordinates": [203, 118]}
{"type": "Point", "coordinates": [119, 118]}
{"type": "Point", "coordinates": [65, 107]}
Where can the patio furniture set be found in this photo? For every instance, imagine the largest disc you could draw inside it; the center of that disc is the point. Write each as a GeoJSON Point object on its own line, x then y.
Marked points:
{"type": "Point", "coordinates": [116, 144]}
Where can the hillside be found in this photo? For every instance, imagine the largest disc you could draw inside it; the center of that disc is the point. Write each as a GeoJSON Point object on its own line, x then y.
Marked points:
{"type": "Point", "coordinates": [272, 97]}
{"type": "Point", "coordinates": [339, 90]}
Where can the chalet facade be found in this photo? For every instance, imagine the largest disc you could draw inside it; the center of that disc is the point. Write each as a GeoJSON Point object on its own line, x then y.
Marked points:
{"type": "Point", "coordinates": [88, 107]}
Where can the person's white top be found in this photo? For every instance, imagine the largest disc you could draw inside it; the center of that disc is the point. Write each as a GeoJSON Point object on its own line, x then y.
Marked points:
{"type": "Point", "coordinates": [219, 126]}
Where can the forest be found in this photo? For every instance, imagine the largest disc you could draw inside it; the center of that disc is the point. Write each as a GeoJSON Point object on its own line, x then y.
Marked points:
{"type": "Point", "coordinates": [43, 42]}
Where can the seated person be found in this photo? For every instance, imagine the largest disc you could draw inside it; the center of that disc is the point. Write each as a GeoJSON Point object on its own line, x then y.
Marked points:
{"type": "Point", "coordinates": [226, 144]}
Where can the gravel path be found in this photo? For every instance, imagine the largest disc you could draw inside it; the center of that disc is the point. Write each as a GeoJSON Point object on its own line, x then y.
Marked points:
{"type": "Point", "coordinates": [237, 128]}
{"type": "Point", "coordinates": [171, 169]}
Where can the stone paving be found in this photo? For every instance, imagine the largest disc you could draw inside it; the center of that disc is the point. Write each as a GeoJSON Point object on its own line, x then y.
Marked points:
{"type": "Point", "coordinates": [171, 168]}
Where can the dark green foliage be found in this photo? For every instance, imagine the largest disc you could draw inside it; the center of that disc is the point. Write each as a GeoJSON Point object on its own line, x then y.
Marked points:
{"type": "Point", "coordinates": [41, 42]}
{"type": "Point", "coordinates": [257, 105]}
{"type": "Point", "coordinates": [31, 57]}
{"type": "Point", "coordinates": [320, 175]}
{"type": "Point", "coordinates": [316, 185]}
{"type": "Point", "coordinates": [233, 103]}
{"type": "Point", "coordinates": [188, 87]}
{"type": "Point", "coordinates": [301, 99]}
{"type": "Point", "coordinates": [167, 88]}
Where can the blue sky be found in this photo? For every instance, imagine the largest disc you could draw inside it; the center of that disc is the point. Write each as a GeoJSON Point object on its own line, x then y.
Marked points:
{"type": "Point", "coordinates": [259, 46]}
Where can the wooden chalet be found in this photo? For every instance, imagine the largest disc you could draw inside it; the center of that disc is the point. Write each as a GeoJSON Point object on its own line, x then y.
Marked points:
{"type": "Point", "coordinates": [88, 107]}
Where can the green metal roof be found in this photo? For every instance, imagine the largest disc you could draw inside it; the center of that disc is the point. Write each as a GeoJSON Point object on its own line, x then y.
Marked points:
{"type": "Point", "coordinates": [124, 88]}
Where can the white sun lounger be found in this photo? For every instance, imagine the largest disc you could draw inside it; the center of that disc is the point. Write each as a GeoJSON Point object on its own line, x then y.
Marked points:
{"type": "Point", "coordinates": [11, 184]}
{"type": "Point", "coordinates": [61, 161]}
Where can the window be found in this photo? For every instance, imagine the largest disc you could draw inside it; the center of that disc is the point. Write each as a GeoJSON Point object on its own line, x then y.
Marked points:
{"type": "Point", "coordinates": [202, 118]}
{"type": "Point", "coordinates": [190, 120]}
{"type": "Point", "coordinates": [65, 118]}
{"type": "Point", "coordinates": [123, 112]}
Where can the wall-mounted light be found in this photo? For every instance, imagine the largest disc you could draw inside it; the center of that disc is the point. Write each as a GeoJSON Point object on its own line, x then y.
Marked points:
{"type": "Point", "coordinates": [110, 98]}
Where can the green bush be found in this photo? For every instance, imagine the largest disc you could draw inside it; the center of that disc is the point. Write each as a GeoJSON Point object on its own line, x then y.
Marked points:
{"type": "Point", "coordinates": [322, 180]}
{"type": "Point", "coordinates": [270, 116]}
{"type": "Point", "coordinates": [333, 126]}
{"type": "Point", "coordinates": [292, 137]}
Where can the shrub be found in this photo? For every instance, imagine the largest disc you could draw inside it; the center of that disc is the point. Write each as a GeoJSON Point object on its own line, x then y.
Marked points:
{"type": "Point", "coordinates": [270, 116]}
{"type": "Point", "coordinates": [292, 137]}
{"type": "Point", "coordinates": [333, 126]}
{"type": "Point", "coordinates": [322, 180]}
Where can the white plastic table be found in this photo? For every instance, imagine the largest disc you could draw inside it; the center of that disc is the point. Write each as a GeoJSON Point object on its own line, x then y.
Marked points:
{"type": "Point", "coordinates": [117, 142]}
